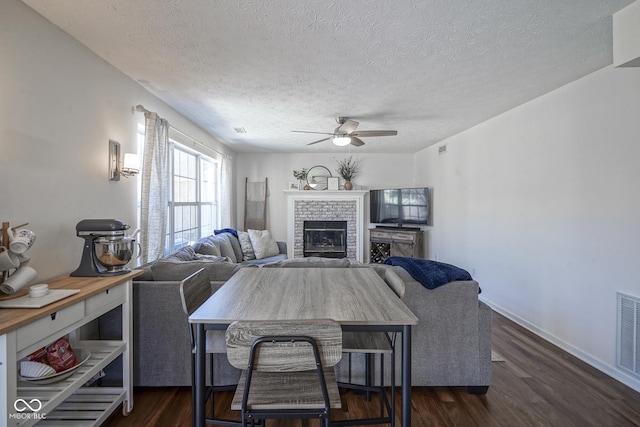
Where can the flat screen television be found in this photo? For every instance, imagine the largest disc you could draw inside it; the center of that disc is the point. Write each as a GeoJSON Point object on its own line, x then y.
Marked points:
{"type": "Point", "coordinates": [399, 206]}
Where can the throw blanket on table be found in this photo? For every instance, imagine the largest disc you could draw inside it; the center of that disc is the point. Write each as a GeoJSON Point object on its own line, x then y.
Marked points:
{"type": "Point", "coordinates": [430, 274]}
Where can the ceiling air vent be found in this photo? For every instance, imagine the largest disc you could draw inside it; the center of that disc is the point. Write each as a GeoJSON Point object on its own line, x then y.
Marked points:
{"type": "Point", "coordinates": [240, 130]}
{"type": "Point", "coordinates": [628, 334]}
{"type": "Point", "coordinates": [442, 149]}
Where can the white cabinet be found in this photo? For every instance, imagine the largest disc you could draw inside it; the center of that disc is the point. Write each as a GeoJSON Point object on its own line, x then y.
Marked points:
{"type": "Point", "coordinates": [69, 402]}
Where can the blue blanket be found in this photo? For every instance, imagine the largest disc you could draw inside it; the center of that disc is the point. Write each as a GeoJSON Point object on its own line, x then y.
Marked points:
{"type": "Point", "coordinates": [226, 230]}
{"type": "Point", "coordinates": [430, 274]}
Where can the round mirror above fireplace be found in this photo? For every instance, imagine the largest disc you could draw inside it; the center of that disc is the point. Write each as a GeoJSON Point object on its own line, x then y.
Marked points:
{"type": "Point", "coordinates": [317, 177]}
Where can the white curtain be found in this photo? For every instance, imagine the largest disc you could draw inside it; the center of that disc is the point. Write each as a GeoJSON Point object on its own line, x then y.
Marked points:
{"type": "Point", "coordinates": [155, 188]}
{"type": "Point", "coordinates": [226, 178]}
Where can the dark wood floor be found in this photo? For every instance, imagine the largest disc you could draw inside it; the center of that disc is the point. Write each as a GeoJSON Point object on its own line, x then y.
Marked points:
{"type": "Point", "coordinates": [537, 385]}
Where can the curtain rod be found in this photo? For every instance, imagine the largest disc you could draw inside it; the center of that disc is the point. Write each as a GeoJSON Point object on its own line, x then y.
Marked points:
{"type": "Point", "coordinates": [139, 108]}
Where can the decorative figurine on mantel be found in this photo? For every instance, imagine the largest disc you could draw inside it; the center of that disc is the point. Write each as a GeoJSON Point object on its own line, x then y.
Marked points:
{"type": "Point", "coordinates": [348, 169]}
{"type": "Point", "coordinates": [301, 176]}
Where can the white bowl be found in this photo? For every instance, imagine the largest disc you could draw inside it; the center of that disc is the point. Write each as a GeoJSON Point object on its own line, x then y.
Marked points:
{"type": "Point", "coordinates": [39, 290]}
{"type": "Point", "coordinates": [35, 369]}
{"type": "Point", "coordinates": [82, 356]}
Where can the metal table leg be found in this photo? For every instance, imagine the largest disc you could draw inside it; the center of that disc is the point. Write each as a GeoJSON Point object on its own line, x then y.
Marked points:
{"type": "Point", "coordinates": [200, 374]}
{"type": "Point", "coordinates": [406, 376]}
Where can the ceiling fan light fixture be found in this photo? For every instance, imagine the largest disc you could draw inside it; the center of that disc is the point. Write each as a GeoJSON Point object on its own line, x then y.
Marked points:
{"type": "Point", "coordinates": [341, 141]}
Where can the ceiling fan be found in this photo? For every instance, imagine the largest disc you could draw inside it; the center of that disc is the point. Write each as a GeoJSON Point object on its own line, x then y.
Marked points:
{"type": "Point", "coordinates": [346, 134]}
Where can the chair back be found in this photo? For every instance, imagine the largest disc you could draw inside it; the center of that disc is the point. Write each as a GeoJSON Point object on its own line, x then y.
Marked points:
{"type": "Point", "coordinates": [194, 291]}
{"type": "Point", "coordinates": [291, 354]}
{"type": "Point", "coordinates": [394, 281]}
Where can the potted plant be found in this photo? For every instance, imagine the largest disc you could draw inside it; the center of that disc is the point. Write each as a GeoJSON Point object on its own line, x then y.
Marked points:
{"type": "Point", "coordinates": [301, 176]}
{"type": "Point", "coordinates": [348, 169]}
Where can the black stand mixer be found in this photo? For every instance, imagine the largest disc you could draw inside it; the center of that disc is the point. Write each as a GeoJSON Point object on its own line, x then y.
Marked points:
{"type": "Point", "coordinates": [107, 249]}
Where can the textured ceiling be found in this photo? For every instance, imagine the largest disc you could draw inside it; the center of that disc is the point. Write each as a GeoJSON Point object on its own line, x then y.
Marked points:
{"type": "Point", "coordinates": [428, 69]}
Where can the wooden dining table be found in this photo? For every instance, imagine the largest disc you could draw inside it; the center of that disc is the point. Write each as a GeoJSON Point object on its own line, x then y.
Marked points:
{"type": "Point", "coordinates": [357, 298]}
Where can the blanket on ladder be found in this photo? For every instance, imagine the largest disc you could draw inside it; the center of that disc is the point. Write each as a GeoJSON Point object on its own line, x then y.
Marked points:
{"type": "Point", "coordinates": [431, 274]}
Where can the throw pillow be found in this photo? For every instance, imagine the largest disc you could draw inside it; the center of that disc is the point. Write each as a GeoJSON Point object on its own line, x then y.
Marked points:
{"type": "Point", "coordinates": [185, 253]}
{"type": "Point", "coordinates": [209, 249]}
{"type": "Point", "coordinates": [235, 244]}
{"type": "Point", "coordinates": [225, 246]}
{"type": "Point", "coordinates": [245, 245]}
{"type": "Point", "coordinates": [264, 246]}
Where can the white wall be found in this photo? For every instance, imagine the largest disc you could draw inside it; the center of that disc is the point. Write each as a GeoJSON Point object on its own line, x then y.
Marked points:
{"type": "Point", "coordinates": [60, 104]}
{"type": "Point", "coordinates": [377, 171]}
{"type": "Point", "coordinates": [541, 205]}
{"type": "Point", "coordinates": [626, 36]}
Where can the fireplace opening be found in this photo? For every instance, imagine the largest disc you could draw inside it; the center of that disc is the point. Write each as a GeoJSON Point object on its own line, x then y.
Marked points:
{"type": "Point", "coordinates": [326, 239]}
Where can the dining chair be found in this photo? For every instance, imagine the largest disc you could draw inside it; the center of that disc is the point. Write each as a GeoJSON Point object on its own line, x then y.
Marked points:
{"type": "Point", "coordinates": [370, 344]}
{"type": "Point", "coordinates": [288, 368]}
{"type": "Point", "coordinates": [194, 291]}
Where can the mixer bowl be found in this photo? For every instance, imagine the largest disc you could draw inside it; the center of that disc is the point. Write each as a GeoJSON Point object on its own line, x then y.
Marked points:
{"type": "Point", "coordinates": [114, 253]}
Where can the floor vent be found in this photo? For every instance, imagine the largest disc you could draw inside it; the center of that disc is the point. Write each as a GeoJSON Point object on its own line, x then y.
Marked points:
{"type": "Point", "coordinates": [628, 334]}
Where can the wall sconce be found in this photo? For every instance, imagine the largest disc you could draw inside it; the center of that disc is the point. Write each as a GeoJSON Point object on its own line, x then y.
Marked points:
{"type": "Point", "coordinates": [130, 166]}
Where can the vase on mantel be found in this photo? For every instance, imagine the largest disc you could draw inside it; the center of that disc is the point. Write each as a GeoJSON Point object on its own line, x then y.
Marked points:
{"type": "Point", "coordinates": [348, 185]}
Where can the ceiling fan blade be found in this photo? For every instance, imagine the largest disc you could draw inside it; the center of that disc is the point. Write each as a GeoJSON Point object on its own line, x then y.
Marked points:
{"type": "Point", "coordinates": [355, 141]}
{"type": "Point", "coordinates": [368, 133]}
{"type": "Point", "coordinates": [320, 140]}
{"type": "Point", "coordinates": [347, 127]}
{"type": "Point", "coordinates": [306, 131]}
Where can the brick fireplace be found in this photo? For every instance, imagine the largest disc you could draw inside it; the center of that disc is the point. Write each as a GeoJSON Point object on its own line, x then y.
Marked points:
{"type": "Point", "coordinates": [322, 206]}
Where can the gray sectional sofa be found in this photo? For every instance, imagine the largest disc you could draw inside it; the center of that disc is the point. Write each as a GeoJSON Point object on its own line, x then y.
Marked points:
{"type": "Point", "coordinates": [451, 345]}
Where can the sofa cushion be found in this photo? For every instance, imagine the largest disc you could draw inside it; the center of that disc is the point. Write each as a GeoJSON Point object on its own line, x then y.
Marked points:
{"type": "Point", "coordinates": [263, 243]}
{"type": "Point", "coordinates": [265, 261]}
{"type": "Point", "coordinates": [245, 245]}
{"type": "Point", "coordinates": [171, 270]}
{"type": "Point", "coordinates": [311, 262]}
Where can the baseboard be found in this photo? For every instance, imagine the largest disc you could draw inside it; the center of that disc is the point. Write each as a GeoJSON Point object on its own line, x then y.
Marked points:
{"type": "Point", "coordinates": [607, 369]}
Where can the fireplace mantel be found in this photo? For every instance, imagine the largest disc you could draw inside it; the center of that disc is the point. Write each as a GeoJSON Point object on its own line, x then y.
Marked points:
{"type": "Point", "coordinates": [355, 220]}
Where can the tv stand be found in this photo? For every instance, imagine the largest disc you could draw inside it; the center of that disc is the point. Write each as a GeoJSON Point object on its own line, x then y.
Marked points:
{"type": "Point", "coordinates": [394, 241]}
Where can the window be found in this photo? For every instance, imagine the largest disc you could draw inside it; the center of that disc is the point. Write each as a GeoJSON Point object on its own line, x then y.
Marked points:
{"type": "Point", "coordinates": [193, 196]}
{"type": "Point", "coordinates": [193, 207]}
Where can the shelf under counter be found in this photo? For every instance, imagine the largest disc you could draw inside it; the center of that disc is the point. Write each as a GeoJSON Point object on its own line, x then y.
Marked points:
{"type": "Point", "coordinates": [55, 397]}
